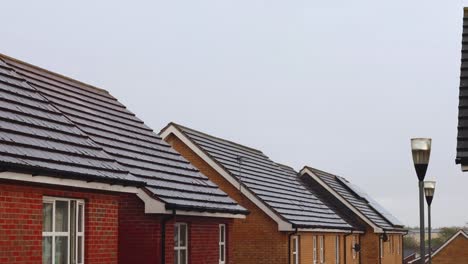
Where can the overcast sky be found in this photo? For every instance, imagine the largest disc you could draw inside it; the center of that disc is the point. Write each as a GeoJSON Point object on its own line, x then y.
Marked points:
{"type": "Point", "coordinates": [336, 85]}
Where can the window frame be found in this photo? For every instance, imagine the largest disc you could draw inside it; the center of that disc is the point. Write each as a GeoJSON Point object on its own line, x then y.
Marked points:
{"type": "Point", "coordinates": [314, 249]}
{"type": "Point", "coordinates": [322, 249]}
{"type": "Point", "coordinates": [352, 247]}
{"type": "Point", "coordinates": [222, 244]}
{"type": "Point", "coordinates": [178, 248]}
{"type": "Point", "coordinates": [68, 234]}
{"type": "Point", "coordinates": [337, 249]}
{"type": "Point", "coordinates": [295, 253]}
{"type": "Point", "coordinates": [381, 248]}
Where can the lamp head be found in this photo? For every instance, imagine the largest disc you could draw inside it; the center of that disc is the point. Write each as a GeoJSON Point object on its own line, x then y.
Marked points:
{"type": "Point", "coordinates": [429, 189]}
{"type": "Point", "coordinates": [421, 150]}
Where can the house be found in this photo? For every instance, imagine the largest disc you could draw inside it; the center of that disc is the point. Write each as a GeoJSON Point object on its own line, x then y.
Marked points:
{"type": "Point", "coordinates": [288, 223]}
{"type": "Point", "coordinates": [462, 137]}
{"type": "Point", "coordinates": [454, 250]}
{"type": "Point", "coordinates": [382, 242]}
{"type": "Point", "coordinates": [83, 180]}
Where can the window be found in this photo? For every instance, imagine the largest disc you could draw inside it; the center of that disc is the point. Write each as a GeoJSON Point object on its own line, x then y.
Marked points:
{"type": "Point", "coordinates": [337, 249]}
{"type": "Point", "coordinates": [62, 231]}
{"type": "Point", "coordinates": [314, 245]}
{"type": "Point", "coordinates": [392, 248]}
{"type": "Point", "coordinates": [295, 250]}
{"type": "Point", "coordinates": [180, 243]}
{"type": "Point", "coordinates": [398, 245]}
{"type": "Point", "coordinates": [322, 255]}
{"type": "Point", "coordinates": [222, 243]}
{"type": "Point", "coordinates": [352, 247]}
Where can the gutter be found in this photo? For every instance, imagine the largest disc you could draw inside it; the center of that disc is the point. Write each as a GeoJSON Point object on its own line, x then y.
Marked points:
{"type": "Point", "coordinates": [289, 244]}
{"type": "Point", "coordinates": [163, 235]}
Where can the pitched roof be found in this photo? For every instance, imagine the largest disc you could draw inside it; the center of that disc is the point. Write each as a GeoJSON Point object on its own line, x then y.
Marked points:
{"type": "Point", "coordinates": [356, 198]}
{"type": "Point", "coordinates": [51, 122]}
{"type": "Point", "coordinates": [462, 137]}
{"type": "Point", "coordinates": [277, 186]}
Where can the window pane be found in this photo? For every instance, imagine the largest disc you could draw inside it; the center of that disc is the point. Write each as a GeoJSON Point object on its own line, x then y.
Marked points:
{"type": "Point", "coordinates": [61, 216]}
{"type": "Point", "coordinates": [183, 257]}
{"type": "Point", "coordinates": [176, 236]}
{"type": "Point", "coordinates": [176, 257]}
{"type": "Point", "coordinates": [222, 232]}
{"type": "Point", "coordinates": [294, 244]}
{"type": "Point", "coordinates": [46, 250]}
{"type": "Point", "coordinates": [47, 217]}
{"type": "Point", "coordinates": [183, 235]}
{"type": "Point", "coordinates": [221, 253]}
{"type": "Point", "coordinates": [80, 218]}
{"type": "Point", "coordinates": [80, 249]}
{"type": "Point", "coordinates": [61, 252]}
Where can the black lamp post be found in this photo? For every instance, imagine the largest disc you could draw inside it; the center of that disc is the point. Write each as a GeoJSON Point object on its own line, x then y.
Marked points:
{"type": "Point", "coordinates": [429, 189]}
{"type": "Point", "coordinates": [421, 149]}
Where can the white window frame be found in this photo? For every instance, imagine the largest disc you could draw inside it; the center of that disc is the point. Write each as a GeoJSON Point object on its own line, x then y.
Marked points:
{"type": "Point", "coordinates": [222, 244]}
{"type": "Point", "coordinates": [295, 253]}
{"type": "Point", "coordinates": [53, 234]}
{"type": "Point", "coordinates": [179, 248]}
{"type": "Point", "coordinates": [314, 245]}
{"type": "Point", "coordinates": [398, 244]}
{"type": "Point", "coordinates": [352, 247]}
{"type": "Point", "coordinates": [322, 249]}
{"type": "Point", "coordinates": [337, 249]}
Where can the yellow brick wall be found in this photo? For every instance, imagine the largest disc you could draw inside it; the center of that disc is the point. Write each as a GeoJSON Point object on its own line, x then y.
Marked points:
{"type": "Point", "coordinates": [455, 252]}
{"type": "Point", "coordinates": [256, 239]}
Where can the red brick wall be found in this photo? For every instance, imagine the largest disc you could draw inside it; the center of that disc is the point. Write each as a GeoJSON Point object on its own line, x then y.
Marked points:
{"type": "Point", "coordinates": [21, 223]}
{"type": "Point", "coordinates": [140, 235]}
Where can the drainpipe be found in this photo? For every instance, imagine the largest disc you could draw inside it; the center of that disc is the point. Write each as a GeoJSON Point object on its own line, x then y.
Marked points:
{"type": "Point", "coordinates": [380, 249]}
{"type": "Point", "coordinates": [289, 244]}
{"type": "Point", "coordinates": [163, 235]}
{"type": "Point", "coordinates": [345, 248]}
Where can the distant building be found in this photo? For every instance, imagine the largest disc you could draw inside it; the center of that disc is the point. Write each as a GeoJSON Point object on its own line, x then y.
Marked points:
{"type": "Point", "coordinates": [454, 250]}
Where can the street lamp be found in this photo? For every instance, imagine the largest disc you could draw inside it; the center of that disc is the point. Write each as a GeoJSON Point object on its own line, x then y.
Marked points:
{"type": "Point", "coordinates": [429, 189]}
{"type": "Point", "coordinates": [421, 149]}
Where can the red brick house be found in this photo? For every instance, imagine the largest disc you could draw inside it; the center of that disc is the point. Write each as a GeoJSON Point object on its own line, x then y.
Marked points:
{"type": "Point", "coordinates": [382, 243]}
{"type": "Point", "coordinates": [454, 250]}
{"type": "Point", "coordinates": [83, 180]}
{"type": "Point", "coordinates": [288, 223]}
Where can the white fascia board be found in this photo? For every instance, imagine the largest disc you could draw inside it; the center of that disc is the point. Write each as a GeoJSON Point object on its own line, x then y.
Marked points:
{"type": "Point", "coordinates": [282, 225]}
{"type": "Point", "coordinates": [341, 199]}
{"type": "Point", "coordinates": [461, 232]}
{"type": "Point", "coordinates": [152, 206]}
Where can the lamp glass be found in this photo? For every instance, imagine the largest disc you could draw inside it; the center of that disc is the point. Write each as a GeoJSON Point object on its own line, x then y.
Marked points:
{"type": "Point", "coordinates": [421, 149]}
{"type": "Point", "coordinates": [429, 188]}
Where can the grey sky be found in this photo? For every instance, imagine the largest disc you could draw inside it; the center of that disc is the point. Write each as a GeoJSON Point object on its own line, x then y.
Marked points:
{"type": "Point", "coordinates": [336, 85]}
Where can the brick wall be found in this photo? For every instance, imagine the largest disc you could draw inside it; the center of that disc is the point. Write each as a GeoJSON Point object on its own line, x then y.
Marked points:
{"type": "Point", "coordinates": [140, 235]}
{"type": "Point", "coordinates": [21, 223]}
{"type": "Point", "coordinates": [255, 239]}
{"type": "Point", "coordinates": [370, 251]}
{"type": "Point", "coordinates": [455, 252]}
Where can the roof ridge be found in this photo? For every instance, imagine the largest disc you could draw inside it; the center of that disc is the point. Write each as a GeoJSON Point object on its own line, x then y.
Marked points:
{"type": "Point", "coordinates": [54, 73]}
{"type": "Point", "coordinates": [208, 135]}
